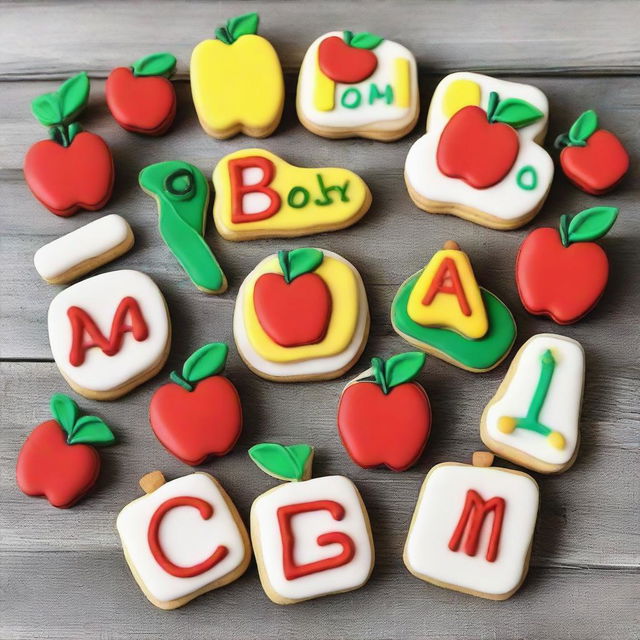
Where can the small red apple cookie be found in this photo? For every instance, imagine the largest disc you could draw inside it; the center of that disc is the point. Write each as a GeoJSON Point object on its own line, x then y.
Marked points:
{"type": "Point", "coordinates": [384, 415]}
{"type": "Point", "coordinates": [198, 413]}
{"type": "Point", "coordinates": [141, 98]}
{"type": "Point", "coordinates": [311, 538]}
{"type": "Point", "coordinates": [534, 417]}
{"type": "Point", "coordinates": [301, 315]}
{"type": "Point", "coordinates": [183, 538]}
{"type": "Point", "coordinates": [57, 459]}
{"type": "Point", "coordinates": [472, 528]}
{"type": "Point", "coordinates": [259, 195]}
{"type": "Point", "coordinates": [593, 159]}
{"type": "Point", "coordinates": [444, 312]}
{"type": "Point", "coordinates": [358, 85]}
{"type": "Point", "coordinates": [481, 158]}
{"type": "Point", "coordinates": [109, 333]}
{"type": "Point", "coordinates": [563, 274]}
{"type": "Point", "coordinates": [73, 170]}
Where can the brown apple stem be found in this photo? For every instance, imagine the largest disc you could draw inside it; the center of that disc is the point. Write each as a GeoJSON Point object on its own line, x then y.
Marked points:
{"type": "Point", "coordinates": [452, 245]}
{"type": "Point", "coordinates": [482, 459]}
{"type": "Point", "coordinates": [152, 481]}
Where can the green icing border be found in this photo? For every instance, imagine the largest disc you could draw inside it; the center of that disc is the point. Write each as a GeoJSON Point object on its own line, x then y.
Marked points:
{"type": "Point", "coordinates": [475, 354]}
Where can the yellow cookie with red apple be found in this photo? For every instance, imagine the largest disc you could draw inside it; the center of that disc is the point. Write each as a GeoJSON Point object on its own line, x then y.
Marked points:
{"type": "Point", "coordinates": [443, 311]}
{"type": "Point", "coordinates": [236, 81]}
{"type": "Point", "coordinates": [358, 84]}
{"type": "Point", "coordinates": [481, 158]}
{"type": "Point", "coordinates": [301, 315]}
{"type": "Point", "coordinates": [259, 195]}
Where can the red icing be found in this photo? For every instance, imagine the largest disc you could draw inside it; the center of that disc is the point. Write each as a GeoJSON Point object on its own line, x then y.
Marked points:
{"type": "Point", "coordinates": [48, 466]}
{"type": "Point", "coordinates": [447, 280]}
{"type": "Point", "coordinates": [477, 151]}
{"type": "Point", "coordinates": [195, 424]}
{"type": "Point", "coordinates": [293, 314]}
{"type": "Point", "coordinates": [82, 322]}
{"type": "Point", "coordinates": [597, 167]}
{"type": "Point", "coordinates": [476, 510]}
{"type": "Point", "coordinates": [66, 179]}
{"type": "Point", "coordinates": [384, 429]}
{"type": "Point", "coordinates": [293, 570]}
{"type": "Point", "coordinates": [239, 189]}
{"type": "Point", "coordinates": [140, 104]}
{"type": "Point", "coordinates": [343, 63]}
{"type": "Point", "coordinates": [206, 511]}
{"type": "Point", "coordinates": [564, 283]}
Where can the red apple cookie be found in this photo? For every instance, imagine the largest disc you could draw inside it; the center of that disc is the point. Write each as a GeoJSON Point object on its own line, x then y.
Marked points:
{"type": "Point", "coordinates": [141, 98]}
{"type": "Point", "coordinates": [199, 413]}
{"type": "Point", "coordinates": [563, 274]}
{"type": "Point", "coordinates": [73, 170]}
{"type": "Point", "coordinates": [384, 416]}
{"type": "Point", "coordinates": [57, 460]}
{"type": "Point", "coordinates": [593, 159]}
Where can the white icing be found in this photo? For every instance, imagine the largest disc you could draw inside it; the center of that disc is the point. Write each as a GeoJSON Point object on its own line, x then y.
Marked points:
{"type": "Point", "coordinates": [306, 528]}
{"type": "Point", "coordinates": [255, 202]}
{"type": "Point", "coordinates": [315, 366]}
{"type": "Point", "coordinates": [100, 296]}
{"type": "Point", "coordinates": [185, 537]}
{"type": "Point", "coordinates": [561, 409]}
{"type": "Point", "coordinates": [505, 200]}
{"type": "Point", "coordinates": [436, 517]}
{"type": "Point", "coordinates": [87, 242]}
{"type": "Point", "coordinates": [252, 175]}
{"type": "Point", "coordinates": [379, 116]}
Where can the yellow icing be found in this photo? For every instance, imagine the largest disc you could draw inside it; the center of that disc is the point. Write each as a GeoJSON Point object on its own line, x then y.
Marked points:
{"type": "Point", "coordinates": [324, 91]}
{"type": "Point", "coordinates": [444, 310]}
{"type": "Point", "coordinates": [345, 302]}
{"type": "Point", "coordinates": [239, 83]}
{"type": "Point", "coordinates": [460, 93]}
{"type": "Point", "coordinates": [402, 82]}
{"type": "Point", "coordinates": [286, 177]}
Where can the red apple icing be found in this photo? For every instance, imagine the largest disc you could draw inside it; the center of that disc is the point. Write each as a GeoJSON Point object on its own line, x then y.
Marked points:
{"type": "Point", "coordinates": [344, 63]}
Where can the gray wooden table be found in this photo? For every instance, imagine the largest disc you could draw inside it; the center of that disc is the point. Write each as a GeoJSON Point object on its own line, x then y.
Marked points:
{"type": "Point", "coordinates": [62, 572]}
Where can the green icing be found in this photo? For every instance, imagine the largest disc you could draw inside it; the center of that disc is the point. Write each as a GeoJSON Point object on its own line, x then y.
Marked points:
{"type": "Point", "coordinates": [280, 461]}
{"type": "Point", "coordinates": [84, 430]}
{"type": "Point", "coordinates": [156, 64]}
{"type": "Point", "coordinates": [352, 102]}
{"type": "Point", "coordinates": [512, 111]}
{"type": "Point", "coordinates": [376, 94]}
{"type": "Point", "coordinates": [246, 24]}
{"type": "Point", "coordinates": [363, 40]}
{"type": "Point", "coordinates": [182, 192]}
{"type": "Point", "coordinates": [590, 224]}
{"type": "Point", "coordinates": [397, 370]}
{"type": "Point", "coordinates": [474, 354]}
{"type": "Point", "coordinates": [298, 262]}
{"type": "Point", "coordinates": [530, 183]}
{"type": "Point", "coordinates": [531, 421]}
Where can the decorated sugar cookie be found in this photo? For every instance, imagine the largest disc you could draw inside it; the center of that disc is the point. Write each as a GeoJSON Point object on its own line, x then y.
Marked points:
{"type": "Point", "coordinates": [473, 527]}
{"type": "Point", "coordinates": [384, 415]}
{"type": "Point", "coordinates": [183, 538]}
{"type": "Point", "coordinates": [481, 157]}
{"type": "Point", "coordinates": [592, 158]}
{"type": "Point", "coordinates": [301, 315]}
{"type": "Point", "coordinates": [70, 256]}
{"type": "Point", "coordinates": [73, 170]}
{"type": "Point", "coordinates": [141, 98]}
{"type": "Point", "coordinates": [534, 417]}
{"type": "Point", "coordinates": [444, 312]}
{"type": "Point", "coordinates": [58, 459]}
{"type": "Point", "coordinates": [358, 84]}
{"type": "Point", "coordinates": [311, 538]}
{"type": "Point", "coordinates": [562, 274]}
{"type": "Point", "coordinates": [236, 81]}
{"type": "Point", "coordinates": [109, 333]}
{"type": "Point", "coordinates": [259, 195]}
{"type": "Point", "coordinates": [198, 413]}
{"type": "Point", "coordinates": [182, 194]}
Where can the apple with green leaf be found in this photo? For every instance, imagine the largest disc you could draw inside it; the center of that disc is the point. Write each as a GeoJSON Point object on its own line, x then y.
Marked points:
{"type": "Point", "coordinates": [349, 59]}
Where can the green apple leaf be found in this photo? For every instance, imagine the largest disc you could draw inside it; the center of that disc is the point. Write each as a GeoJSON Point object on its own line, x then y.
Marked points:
{"type": "Point", "coordinates": [516, 113]}
{"type": "Point", "coordinates": [65, 411]}
{"type": "Point", "coordinates": [378, 368]}
{"type": "Point", "coordinates": [365, 40]}
{"type": "Point", "coordinates": [74, 94]}
{"type": "Point", "coordinates": [91, 430]}
{"type": "Point", "coordinates": [207, 361]}
{"type": "Point", "coordinates": [243, 25]}
{"type": "Point", "coordinates": [285, 463]}
{"type": "Point", "coordinates": [303, 261]}
{"type": "Point", "coordinates": [591, 224]}
{"type": "Point", "coordinates": [585, 126]}
{"type": "Point", "coordinates": [223, 35]}
{"type": "Point", "coordinates": [47, 109]}
{"type": "Point", "coordinates": [403, 367]}
{"type": "Point", "coordinates": [156, 64]}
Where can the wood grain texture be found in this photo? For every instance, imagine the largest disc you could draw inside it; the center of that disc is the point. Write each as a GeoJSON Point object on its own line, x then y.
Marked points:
{"type": "Point", "coordinates": [62, 573]}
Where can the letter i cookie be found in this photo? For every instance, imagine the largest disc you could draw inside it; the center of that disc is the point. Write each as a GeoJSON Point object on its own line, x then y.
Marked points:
{"type": "Point", "coordinates": [534, 417]}
{"type": "Point", "coordinates": [182, 194]}
{"type": "Point", "coordinates": [358, 84]}
{"type": "Point", "coordinates": [311, 538]}
{"type": "Point", "coordinates": [481, 158]}
{"type": "Point", "coordinates": [472, 528]}
{"type": "Point", "coordinates": [444, 312]}
{"type": "Point", "coordinates": [182, 539]}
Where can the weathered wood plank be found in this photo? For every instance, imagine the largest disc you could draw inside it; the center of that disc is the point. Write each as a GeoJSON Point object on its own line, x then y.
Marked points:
{"type": "Point", "coordinates": [584, 36]}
